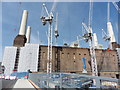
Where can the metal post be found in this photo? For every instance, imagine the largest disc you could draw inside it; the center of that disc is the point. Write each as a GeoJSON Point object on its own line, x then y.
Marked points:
{"type": "Point", "coordinates": [49, 63]}
{"type": "Point", "coordinates": [97, 83]}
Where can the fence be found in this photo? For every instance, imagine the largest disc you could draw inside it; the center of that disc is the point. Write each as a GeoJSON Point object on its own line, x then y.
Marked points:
{"type": "Point", "coordinates": [66, 80]}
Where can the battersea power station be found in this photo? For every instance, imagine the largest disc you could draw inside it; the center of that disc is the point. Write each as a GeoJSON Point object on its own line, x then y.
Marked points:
{"type": "Point", "coordinates": [24, 56]}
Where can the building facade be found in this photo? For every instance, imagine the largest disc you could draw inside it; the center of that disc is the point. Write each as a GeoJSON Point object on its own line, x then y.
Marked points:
{"type": "Point", "coordinates": [64, 59]}
{"type": "Point", "coordinates": [69, 59]}
{"type": "Point", "coordinates": [23, 56]}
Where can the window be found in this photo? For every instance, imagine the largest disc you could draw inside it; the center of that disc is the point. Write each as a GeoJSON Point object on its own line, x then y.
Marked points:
{"type": "Point", "coordinates": [68, 55]}
{"type": "Point", "coordinates": [74, 55]}
{"type": "Point", "coordinates": [62, 55]}
{"type": "Point", "coordinates": [43, 54]}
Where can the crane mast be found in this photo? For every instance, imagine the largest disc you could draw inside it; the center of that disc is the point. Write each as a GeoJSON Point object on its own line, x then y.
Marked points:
{"type": "Point", "coordinates": [92, 48]}
{"type": "Point", "coordinates": [56, 29]}
{"type": "Point", "coordinates": [93, 59]}
{"type": "Point", "coordinates": [49, 19]}
{"type": "Point", "coordinates": [88, 37]}
{"type": "Point", "coordinates": [116, 6]}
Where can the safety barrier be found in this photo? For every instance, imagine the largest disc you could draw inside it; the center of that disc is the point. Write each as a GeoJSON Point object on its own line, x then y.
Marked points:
{"type": "Point", "coordinates": [66, 80]}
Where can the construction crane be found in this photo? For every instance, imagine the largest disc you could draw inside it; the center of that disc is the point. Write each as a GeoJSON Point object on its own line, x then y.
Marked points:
{"type": "Point", "coordinates": [88, 37]}
{"type": "Point", "coordinates": [49, 19]}
{"type": "Point", "coordinates": [56, 29]}
{"type": "Point", "coordinates": [116, 6]}
{"type": "Point", "coordinates": [92, 48]}
{"type": "Point", "coordinates": [105, 36]}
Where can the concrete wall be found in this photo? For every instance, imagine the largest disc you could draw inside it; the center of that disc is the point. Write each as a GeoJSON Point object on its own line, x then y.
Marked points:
{"type": "Point", "coordinates": [64, 59]}
{"type": "Point", "coordinates": [28, 58]}
{"type": "Point", "coordinates": [69, 59]}
{"type": "Point", "coordinates": [9, 59]}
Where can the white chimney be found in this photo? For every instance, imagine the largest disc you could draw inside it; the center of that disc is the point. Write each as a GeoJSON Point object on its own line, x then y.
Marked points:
{"type": "Point", "coordinates": [95, 40]}
{"type": "Point", "coordinates": [28, 34]}
{"type": "Point", "coordinates": [23, 23]}
{"type": "Point", "coordinates": [110, 32]}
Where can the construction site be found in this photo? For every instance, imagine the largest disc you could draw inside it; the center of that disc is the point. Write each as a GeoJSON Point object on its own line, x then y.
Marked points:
{"type": "Point", "coordinates": [69, 65]}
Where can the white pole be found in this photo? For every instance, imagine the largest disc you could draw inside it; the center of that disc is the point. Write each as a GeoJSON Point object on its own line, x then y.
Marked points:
{"type": "Point", "coordinates": [23, 23]}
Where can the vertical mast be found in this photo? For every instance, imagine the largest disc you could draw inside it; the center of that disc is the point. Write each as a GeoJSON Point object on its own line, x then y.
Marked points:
{"type": "Point", "coordinates": [92, 48]}
{"type": "Point", "coordinates": [56, 29]}
{"type": "Point", "coordinates": [49, 19]}
{"type": "Point", "coordinates": [108, 12]}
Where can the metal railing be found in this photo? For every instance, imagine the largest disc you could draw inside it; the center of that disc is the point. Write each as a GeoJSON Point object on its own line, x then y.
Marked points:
{"type": "Point", "coordinates": [66, 80]}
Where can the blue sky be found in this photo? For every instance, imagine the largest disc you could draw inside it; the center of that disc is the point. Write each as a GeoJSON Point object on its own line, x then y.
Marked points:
{"type": "Point", "coordinates": [71, 15]}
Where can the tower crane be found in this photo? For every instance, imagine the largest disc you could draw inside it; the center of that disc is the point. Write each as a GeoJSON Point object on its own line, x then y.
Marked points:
{"type": "Point", "coordinates": [45, 19]}
{"type": "Point", "coordinates": [88, 37]}
{"type": "Point", "coordinates": [116, 6]}
{"type": "Point", "coordinates": [105, 36]}
{"type": "Point", "coordinates": [56, 28]}
{"type": "Point", "coordinates": [48, 18]}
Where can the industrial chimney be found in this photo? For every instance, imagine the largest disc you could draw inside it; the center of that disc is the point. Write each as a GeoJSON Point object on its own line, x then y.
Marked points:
{"type": "Point", "coordinates": [20, 39]}
{"type": "Point", "coordinates": [28, 34]}
{"type": "Point", "coordinates": [23, 23]}
{"type": "Point", "coordinates": [110, 32]}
